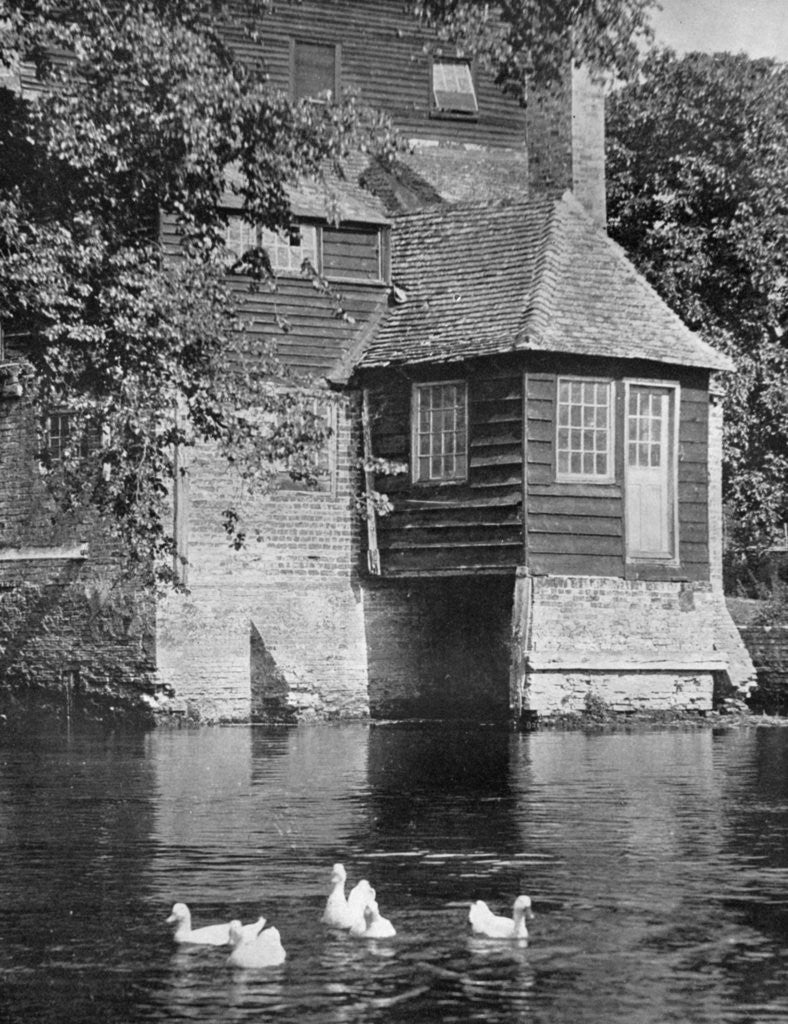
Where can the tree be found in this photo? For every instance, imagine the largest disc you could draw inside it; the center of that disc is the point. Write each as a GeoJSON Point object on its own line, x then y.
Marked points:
{"type": "Point", "coordinates": [698, 196]}
{"type": "Point", "coordinates": [522, 40]}
{"type": "Point", "coordinates": [142, 108]}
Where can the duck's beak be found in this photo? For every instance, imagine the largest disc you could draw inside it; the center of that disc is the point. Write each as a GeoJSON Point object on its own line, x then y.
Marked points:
{"type": "Point", "coordinates": [529, 914]}
{"type": "Point", "coordinates": [172, 919]}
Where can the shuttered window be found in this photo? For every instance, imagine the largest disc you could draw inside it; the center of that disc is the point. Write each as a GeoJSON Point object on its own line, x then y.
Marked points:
{"type": "Point", "coordinates": [453, 90]}
{"type": "Point", "coordinates": [315, 70]}
{"type": "Point", "coordinates": [352, 254]}
{"type": "Point", "coordinates": [584, 439]}
{"type": "Point", "coordinates": [440, 432]}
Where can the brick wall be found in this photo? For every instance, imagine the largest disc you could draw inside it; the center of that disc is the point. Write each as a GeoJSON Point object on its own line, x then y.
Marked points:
{"type": "Point", "coordinates": [439, 648]}
{"type": "Point", "coordinates": [630, 643]}
{"type": "Point", "coordinates": [274, 630]}
{"type": "Point", "coordinates": [71, 628]}
{"type": "Point", "coordinates": [768, 647]}
{"type": "Point", "coordinates": [565, 132]}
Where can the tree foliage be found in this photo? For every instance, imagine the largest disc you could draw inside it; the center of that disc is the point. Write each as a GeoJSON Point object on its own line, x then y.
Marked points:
{"type": "Point", "coordinates": [142, 108]}
{"type": "Point", "coordinates": [698, 196]}
{"type": "Point", "coordinates": [519, 40]}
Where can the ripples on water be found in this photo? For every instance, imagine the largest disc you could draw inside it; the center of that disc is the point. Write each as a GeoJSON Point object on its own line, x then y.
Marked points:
{"type": "Point", "coordinates": [657, 863]}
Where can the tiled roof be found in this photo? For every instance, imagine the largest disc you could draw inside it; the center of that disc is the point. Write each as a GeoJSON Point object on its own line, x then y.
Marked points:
{"type": "Point", "coordinates": [525, 276]}
{"type": "Point", "coordinates": [339, 197]}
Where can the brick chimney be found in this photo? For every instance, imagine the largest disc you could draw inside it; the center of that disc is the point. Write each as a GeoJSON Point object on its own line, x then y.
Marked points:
{"type": "Point", "coordinates": [565, 135]}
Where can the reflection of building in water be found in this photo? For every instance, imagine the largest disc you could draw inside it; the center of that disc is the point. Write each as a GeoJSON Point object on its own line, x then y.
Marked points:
{"type": "Point", "coordinates": [287, 795]}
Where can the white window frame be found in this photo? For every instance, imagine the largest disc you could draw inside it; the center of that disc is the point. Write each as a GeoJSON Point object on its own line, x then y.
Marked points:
{"type": "Point", "coordinates": [275, 244]}
{"type": "Point", "coordinates": [567, 476]}
{"type": "Point", "coordinates": [417, 434]}
{"type": "Point", "coordinates": [672, 558]}
{"type": "Point", "coordinates": [438, 108]}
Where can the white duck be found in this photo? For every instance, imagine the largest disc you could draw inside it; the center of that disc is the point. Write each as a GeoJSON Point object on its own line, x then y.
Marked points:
{"type": "Point", "coordinates": [263, 950]}
{"type": "Point", "coordinates": [342, 912]}
{"type": "Point", "coordinates": [358, 898]}
{"type": "Point", "coordinates": [493, 926]}
{"type": "Point", "coordinates": [373, 925]}
{"type": "Point", "coordinates": [210, 935]}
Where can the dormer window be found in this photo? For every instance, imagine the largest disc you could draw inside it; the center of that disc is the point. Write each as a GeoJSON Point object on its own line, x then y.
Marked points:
{"type": "Point", "coordinates": [285, 251]}
{"type": "Point", "coordinates": [315, 70]}
{"type": "Point", "coordinates": [288, 252]}
{"type": "Point", "coordinates": [452, 90]}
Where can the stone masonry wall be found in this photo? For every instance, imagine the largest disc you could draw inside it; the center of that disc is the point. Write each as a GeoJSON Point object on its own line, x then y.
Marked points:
{"type": "Point", "coordinates": [72, 630]}
{"type": "Point", "coordinates": [768, 646]}
{"type": "Point", "coordinates": [565, 132]}
{"type": "Point", "coordinates": [629, 643]}
{"type": "Point", "coordinates": [274, 630]}
{"type": "Point", "coordinates": [439, 648]}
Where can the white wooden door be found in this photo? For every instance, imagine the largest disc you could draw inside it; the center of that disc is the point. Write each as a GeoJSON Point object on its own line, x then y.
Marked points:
{"type": "Point", "coordinates": [650, 461]}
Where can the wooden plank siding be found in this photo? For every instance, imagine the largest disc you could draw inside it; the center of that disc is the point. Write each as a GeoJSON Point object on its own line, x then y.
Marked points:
{"type": "Point", "coordinates": [496, 520]}
{"type": "Point", "coordinates": [572, 528]}
{"type": "Point", "coordinates": [385, 58]}
{"type": "Point", "coordinates": [469, 526]}
{"type": "Point", "coordinates": [298, 320]}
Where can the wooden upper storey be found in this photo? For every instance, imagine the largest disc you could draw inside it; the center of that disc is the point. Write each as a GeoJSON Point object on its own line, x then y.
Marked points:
{"type": "Point", "coordinates": [381, 52]}
{"type": "Point", "coordinates": [512, 496]}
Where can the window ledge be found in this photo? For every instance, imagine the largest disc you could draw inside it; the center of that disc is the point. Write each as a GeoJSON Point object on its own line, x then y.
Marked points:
{"type": "Point", "coordinates": [63, 553]}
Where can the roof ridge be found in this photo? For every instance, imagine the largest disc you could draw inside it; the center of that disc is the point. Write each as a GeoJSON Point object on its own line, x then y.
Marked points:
{"type": "Point", "coordinates": [544, 279]}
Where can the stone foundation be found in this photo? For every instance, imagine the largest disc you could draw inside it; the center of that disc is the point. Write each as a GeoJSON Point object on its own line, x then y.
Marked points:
{"type": "Point", "coordinates": [274, 631]}
{"type": "Point", "coordinates": [631, 644]}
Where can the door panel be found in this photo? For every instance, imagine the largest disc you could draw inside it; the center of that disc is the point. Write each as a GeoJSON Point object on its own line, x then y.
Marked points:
{"type": "Point", "coordinates": [650, 461]}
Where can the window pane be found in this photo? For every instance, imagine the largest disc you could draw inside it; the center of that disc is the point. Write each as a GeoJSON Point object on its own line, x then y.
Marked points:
{"type": "Point", "coordinates": [441, 434]}
{"type": "Point", "coordinates": [452, 87]}
{"type": "Point", "coordinates": [583, 434]}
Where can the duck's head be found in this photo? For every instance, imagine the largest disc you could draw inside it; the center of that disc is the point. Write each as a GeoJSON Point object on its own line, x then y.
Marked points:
{"type": "Point", "coordinates": [338, 873]}
{"type": "Point", "coordinates": [522, 908]}
{"type": "Point", "coordinates": [180, 913]}
{"type": "Point", "coordinates": [371, 910]}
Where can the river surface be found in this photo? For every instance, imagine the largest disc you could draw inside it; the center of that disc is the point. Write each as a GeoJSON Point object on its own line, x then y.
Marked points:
{"type": "Point", "coordinates": [657, 863]}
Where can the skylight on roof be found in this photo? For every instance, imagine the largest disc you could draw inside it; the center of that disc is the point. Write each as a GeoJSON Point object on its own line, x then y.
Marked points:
{"type": "Point", "coordinates": [453, 91]}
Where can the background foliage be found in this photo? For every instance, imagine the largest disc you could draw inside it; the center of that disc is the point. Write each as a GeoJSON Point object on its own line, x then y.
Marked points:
{"type": "Point", "coordinates": [698, 196]}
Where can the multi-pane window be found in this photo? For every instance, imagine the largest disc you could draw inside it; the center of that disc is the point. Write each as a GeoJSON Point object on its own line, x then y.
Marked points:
{"type": "Point", "coordinates": [65, 438]}
{"type": "Point", "coordinates": [647, 427]}
{"type": "Point", "coordinates": [303, 446]}
{"type": "Point", "coordinates": [453, 91]}
{"type": "Point", "coordinates": [286, 252]}
{"type": "Point", "coordinates": [440, 431]}
{"type": "Point", "coordinates": [584, 442]}
{"type": "Point", "coordinates": [239, 235]}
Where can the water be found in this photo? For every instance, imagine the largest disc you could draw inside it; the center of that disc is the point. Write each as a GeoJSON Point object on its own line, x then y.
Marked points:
{"type": "Point", "coordinates": [657, 864]}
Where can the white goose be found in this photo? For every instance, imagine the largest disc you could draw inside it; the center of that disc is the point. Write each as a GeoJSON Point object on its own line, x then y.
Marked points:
{"type": "Point", "coordinates": [493, 926]}
{"type": "Point", "coordinates": [342, 912]}
{"type": "Point", "coordinates": [209, 935]}
{"type": "Point", "coordinates": [373, 926]}
{"type": "Point", "coordinates": [263, 950]}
